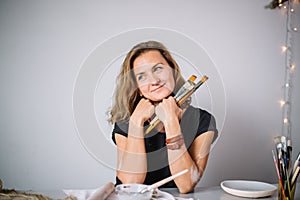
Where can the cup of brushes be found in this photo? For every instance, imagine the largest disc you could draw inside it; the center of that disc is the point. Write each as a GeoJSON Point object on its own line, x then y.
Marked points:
{"type": "Point", "coordinates": [287, 172]}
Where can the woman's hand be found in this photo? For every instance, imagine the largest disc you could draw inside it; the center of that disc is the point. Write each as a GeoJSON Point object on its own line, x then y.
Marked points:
{"type": "Point", "coordinates": [143, 111]}
{"type": "Point", "coordinates": [168, 110]}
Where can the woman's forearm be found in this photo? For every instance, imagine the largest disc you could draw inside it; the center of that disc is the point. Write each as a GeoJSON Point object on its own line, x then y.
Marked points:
{"type": "Point", "coordinates": [180, 159]}
{"type": "Point", "coordinates": [132, 166]}
{"type": "Point", "coordinates": [194, 159]}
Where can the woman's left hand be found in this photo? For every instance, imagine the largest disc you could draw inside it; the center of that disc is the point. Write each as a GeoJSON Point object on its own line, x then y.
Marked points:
{"type": "Point", "coordinates": [168, 110]}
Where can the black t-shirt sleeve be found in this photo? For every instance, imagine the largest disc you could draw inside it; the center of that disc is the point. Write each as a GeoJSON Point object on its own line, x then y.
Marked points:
{"type": "Point", "coordinates": [195, 122]}
{"type": "Point", "coordinates": [207, 123]}
{"type": "Point", "coordinates": [120, 128]}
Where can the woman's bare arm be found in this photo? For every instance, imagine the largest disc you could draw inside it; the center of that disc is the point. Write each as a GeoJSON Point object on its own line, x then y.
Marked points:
{"type": "Point", "coordinates": [132, 162]}
{"type": "Point", "coordinates": [131, 150]}
{"type": "Point", "coordinates": [194, 160]}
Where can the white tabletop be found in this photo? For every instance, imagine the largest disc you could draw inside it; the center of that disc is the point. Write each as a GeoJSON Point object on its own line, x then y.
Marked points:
{"type": "Point", "coordinates": [211, 193]}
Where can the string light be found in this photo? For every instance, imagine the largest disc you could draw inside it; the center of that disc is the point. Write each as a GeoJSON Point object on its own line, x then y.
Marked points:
{"type": "Point", "coordinates": [285, 103]}
{"type": "Point", "coordinates": [287, 49]}
{"type": "Point", "coordinates": [289, 69]}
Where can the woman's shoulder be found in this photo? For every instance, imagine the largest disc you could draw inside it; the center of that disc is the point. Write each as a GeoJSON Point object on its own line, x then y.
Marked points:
{"type": "Point", "coordinates": [204, 116]}
{"type": "Point", "coordinates": [191, 110]}
{"type": "Point", "coordinates": [120, 128]}
{"type": "Point", "coordinates": [196, 121]}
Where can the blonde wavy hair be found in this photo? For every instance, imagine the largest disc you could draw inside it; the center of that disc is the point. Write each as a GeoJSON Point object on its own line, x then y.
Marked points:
{"type": "Point", "coordinates": [127, 94]}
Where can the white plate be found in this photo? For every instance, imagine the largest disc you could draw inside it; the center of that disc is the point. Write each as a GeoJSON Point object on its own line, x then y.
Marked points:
{"type": "Point", "coordinates": [250, 189]}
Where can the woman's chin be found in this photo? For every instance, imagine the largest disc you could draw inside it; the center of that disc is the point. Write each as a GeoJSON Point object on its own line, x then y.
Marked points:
{"type": "Point", "coordinates": [156, 97]}
{"type": "Point", "coordinates": [159, 97]}
{"type": "Point", "coordinates": [155, 100]}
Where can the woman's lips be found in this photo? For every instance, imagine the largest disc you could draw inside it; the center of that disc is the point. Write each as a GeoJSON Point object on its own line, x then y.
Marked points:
{"type": "Point", "coordinates": [154, 90]}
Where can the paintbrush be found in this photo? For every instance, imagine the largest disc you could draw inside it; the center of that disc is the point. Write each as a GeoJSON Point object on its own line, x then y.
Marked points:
{"type": "Point", "coordinates": [289, 152]}
{"type": "Point", "coordinates": [281, 149]}
{"type": "Point", "coordinates": [278, 174]}
{"type": "Point", "coordinates": [297, 162]}
{"type": "Point", "coordinates": [160, 183]}
{"type": "Point", "coordinates": [295, 175]}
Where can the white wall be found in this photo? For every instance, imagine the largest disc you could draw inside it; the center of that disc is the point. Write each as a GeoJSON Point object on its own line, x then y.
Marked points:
{"type": "Point", "coordinates": [44, 43]}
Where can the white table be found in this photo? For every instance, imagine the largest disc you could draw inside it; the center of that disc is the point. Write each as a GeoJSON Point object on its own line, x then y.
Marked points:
{"type": "Point", "coordinates": [211, 193]}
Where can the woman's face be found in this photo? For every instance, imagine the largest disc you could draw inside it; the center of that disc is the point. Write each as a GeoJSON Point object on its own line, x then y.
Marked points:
{"type": "Point", "coordinates": [154, 76]}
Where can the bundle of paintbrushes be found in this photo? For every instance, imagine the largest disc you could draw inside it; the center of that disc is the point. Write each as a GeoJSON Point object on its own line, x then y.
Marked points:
{"type": "Point", "coordinates": [188, 88]}
{"type": "Point", "coordinates": [287, 171]}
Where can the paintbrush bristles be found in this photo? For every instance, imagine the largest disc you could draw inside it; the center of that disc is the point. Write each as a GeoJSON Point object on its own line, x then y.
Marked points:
{"type": "Point", "coordinates": [204, 78]}
{"type": "Point", "coordinates": [193, 78]}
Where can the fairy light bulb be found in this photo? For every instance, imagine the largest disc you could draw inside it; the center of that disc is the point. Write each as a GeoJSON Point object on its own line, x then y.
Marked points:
{"type": "Point", "coordinates": [282, 102]}
{"type": "Point", "coordinates": [285, 120]}
{"type": "Point", "coordinates": [292, 68]}
{"type": "Point", "coordinates": [295, 29]}
{"type": "Point", "coordinates": [284, 48]}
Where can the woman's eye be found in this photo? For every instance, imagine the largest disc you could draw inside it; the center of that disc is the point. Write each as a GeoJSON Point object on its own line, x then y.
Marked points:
{"type": "Point", "coordinates": [158, 68]}
{"type": "Point", "coordinates": [140, 77]}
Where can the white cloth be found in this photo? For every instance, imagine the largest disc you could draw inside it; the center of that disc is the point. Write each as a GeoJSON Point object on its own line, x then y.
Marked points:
{"type": "Point", "coordinates": [106, 192]}
{"type": "Point", "coordinates": [92, 194]}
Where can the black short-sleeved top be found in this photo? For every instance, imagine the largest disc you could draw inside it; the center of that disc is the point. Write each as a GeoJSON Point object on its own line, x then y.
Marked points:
{"type": "Point", "coordinates": [194, 122]}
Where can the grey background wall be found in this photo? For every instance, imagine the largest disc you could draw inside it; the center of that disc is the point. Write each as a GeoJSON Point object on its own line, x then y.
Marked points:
{"type": "Point", "coordinates": [44, 43]}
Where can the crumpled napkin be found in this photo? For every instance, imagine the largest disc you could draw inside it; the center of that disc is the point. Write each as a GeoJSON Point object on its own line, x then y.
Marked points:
{"type": "Point", "coordinates": [92, 194]}
{"type": "Point", "coordinates": [106, 192]}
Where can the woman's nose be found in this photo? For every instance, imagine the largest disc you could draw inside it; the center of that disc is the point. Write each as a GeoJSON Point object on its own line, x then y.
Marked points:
{"type": "Point", "coordinates": [154, 79]}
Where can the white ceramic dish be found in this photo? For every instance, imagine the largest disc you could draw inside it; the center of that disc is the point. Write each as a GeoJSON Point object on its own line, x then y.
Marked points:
{"type": "Point", "coordinates": [131, 192]}
{"type": "Point", "coordinates": [249, 189]}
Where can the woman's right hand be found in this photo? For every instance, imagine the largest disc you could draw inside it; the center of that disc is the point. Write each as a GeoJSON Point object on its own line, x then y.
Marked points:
{"type": "Point", "coordinates": [143, 111]}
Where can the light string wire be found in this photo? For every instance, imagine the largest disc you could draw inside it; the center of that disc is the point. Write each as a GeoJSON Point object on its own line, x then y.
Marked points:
{"type": "Point", "coordinates": [289, 68]}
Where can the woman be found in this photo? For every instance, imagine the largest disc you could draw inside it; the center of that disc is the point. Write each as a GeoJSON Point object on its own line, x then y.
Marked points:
{"type": "Point", "coordinates": [145, 88]}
